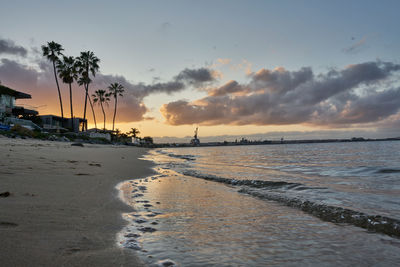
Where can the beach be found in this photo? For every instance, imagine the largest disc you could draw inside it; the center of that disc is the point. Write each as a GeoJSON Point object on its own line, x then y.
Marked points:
{"type": "Point", "coordinates": [63, 207]}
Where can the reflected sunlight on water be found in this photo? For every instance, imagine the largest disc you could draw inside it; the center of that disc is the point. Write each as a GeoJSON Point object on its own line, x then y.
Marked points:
{"type": "Point", "coordinates": [197, 222]}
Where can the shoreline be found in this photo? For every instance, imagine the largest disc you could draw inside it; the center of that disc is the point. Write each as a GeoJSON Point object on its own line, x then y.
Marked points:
{"type": "Point", "coordinates": [63, 207]}
{"type": "Point", "coordinates": [272, 142]}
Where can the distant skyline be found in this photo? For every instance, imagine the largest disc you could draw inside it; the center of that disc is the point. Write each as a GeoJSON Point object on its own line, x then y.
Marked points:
{"type": "Point", "coordinates": [236, 68]}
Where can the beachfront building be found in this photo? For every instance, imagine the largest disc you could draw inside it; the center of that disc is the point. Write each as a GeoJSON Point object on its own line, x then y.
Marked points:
{"type": "Point", "coordinates": [10, 114]}
{"type": "Point", "coordinates": [56, 123]}
{"type": "Point", "coordinates": [8, 108]}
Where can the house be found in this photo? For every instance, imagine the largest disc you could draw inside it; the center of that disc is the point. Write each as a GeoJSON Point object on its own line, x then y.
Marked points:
{"type": "Point", "coordinates": [97, 133]}
{"type": "Point", "coordinates": [8, 108]}
{"type": "Point", "coordinates": [10, 114]}
{"type": "Point", "coordinates": [56, 123]}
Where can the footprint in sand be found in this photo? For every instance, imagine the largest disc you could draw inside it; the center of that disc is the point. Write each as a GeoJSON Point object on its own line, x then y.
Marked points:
{"type": "Point", "coordinates": [8, 224]}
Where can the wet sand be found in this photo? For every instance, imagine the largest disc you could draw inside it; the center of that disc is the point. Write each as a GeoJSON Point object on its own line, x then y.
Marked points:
{"type": "Point", "coordinates": [63, 208]}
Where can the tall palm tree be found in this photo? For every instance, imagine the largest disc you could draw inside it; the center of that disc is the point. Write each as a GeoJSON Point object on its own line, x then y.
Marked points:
{"type": "Point", "coordinates": [101, 97]}
{"type": "Point", "coordinates": [88, 63]}
{"type": "Point", "coordinates": [52, 51]}
{"type": "Point", "coordinates": [134, 132]}
{"type": "Point", "coordinates": [115, 90]}
{"type": "Point", "coordinates": [67, 70]}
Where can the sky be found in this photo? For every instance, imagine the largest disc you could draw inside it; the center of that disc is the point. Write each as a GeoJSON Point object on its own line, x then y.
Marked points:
{"type": "Point", "coordinates": [256, 69]}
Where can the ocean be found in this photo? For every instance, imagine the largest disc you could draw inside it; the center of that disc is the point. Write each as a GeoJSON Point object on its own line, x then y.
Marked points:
{"type": "Point", "coordinates": [286, 204]}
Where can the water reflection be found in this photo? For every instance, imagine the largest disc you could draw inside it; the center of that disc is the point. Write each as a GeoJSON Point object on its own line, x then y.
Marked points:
{"type": "Point", "coordinates": [360, 176]}
{"type": "Point", "coordinates": [202, 223]}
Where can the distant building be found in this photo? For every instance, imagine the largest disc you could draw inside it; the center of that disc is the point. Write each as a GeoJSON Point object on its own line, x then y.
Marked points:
{"type": "Point", "coordinates": [8, 108]}
{"type": "Point", "coordinates": [56, 123]}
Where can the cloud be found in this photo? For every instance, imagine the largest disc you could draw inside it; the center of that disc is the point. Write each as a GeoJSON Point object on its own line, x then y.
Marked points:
{"type": "Point", "coordinates": [281, 80]}
{"type": "Point", "coordinates": [166, 87]}
{"type": "Point", "coordinates": [228, 88]}
{"type": "Point", "coordinates": [184, 79]}
{"type": "Point", "coordinates": [40, 83]}
{"type": "Point", "coordinates": [9, 47]}
{"type": "Point", "coordinates": [221, 62]}
{"type": "Point", "coordinates": [245, 65]}
{"type": "Point", "coordinates": [196, 77]}
{"type": "Point", "coordinates": [278, 97]}
{"type": "Point", "coordinates": [356, 47]}
{"type": "Point", "coordinates": [13, 71]}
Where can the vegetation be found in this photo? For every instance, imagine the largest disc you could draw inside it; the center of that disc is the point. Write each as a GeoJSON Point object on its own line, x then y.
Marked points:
{"type": "Point", "coordinates": [134, 132]}
{"type": "Point", "coordinates": [101, 97]}
{"type": "Point", "coordinates": [87, 63]}
{"type": "Point", "coordinates": [115, 90]}
{"type": "Point", "coordinates": [81, 69]}
{"type": "Point", "coordinates": [52, 51]}
{"type": "Point", "coordinates": [68, 72]}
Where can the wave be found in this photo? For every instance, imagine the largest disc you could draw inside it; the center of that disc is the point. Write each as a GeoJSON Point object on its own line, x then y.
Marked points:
{"type": "Point", "coordinates": [388, 170]}
{"type": "Point", "coordinates": [374, 223]}
{"type": "Point", "coordinates": [252, 183]}
{"type": "Point", "coordinates": [267, 190]}
{"type": "Point", "coordinates": [172, 155]}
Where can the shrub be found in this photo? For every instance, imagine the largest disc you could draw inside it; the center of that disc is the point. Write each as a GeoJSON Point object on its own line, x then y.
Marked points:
{"type": "Point", "coordinates": [20, 130]}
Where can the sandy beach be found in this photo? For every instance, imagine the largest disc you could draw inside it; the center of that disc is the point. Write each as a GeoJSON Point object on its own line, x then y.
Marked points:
{"type": "Point", "coordinates": [63, 208]}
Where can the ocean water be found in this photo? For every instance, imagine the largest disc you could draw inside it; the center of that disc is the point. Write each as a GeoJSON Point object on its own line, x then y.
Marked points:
{"type": "Point", "coordinates": [287, 205]}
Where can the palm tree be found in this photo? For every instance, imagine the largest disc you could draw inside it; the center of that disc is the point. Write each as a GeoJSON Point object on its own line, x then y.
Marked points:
{"type": "Point", "coordinates": [134, 132]}
{"type": "Point", "coordinates": [115, 89]}
{"type": "Point", "coordinates": [88, 63]}
{"type": "Point", "coordinates": [52, 51]}
{"type": "Point", "coordinates": [101, 96]}
{"type": "Point", "coordinates": [67, 70]}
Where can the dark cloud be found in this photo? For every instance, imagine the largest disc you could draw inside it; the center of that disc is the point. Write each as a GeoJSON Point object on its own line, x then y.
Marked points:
{"type": "Point", "coordinates": [281, 80]}
{"type": "Point", "coordinates": [21, 75]}
{"type": "Point", "coordinates": [9, 47]}
{"type": "Point", "coordinates": [195, 77]}
{"type": "Point", "coordinates": [228, 88]}
{"type": "Point", "coordinates": [375, 106]}
{"type": "Point", "coordinates": [335, 82]}
{"type": "Point", "coordinates": [168, 87]}
{"type": "Point", "coordinates": [278, 97]}
{"type": "Point", "coordinates": [186, 78]}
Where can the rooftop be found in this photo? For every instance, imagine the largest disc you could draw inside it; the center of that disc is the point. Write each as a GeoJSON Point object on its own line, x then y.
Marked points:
{"type": "Point", "coordinates": [4, 90]}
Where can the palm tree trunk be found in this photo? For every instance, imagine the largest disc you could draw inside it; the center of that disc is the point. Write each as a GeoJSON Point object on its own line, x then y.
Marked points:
{"type": "Point", "coordinates": [94, 114]}
{"type": "Point", "coordinates": [104, 115]}
{"type": "Point", "coordinates": [72, 112]}
{"type": "Point", "coordinates": [86, 96]}
{"type": "Point", "coordinates": [59, 93]}
{"type": "Point", "coordinates": [115, 111]}
{"type": "Point", "coordinates": [84, 109]}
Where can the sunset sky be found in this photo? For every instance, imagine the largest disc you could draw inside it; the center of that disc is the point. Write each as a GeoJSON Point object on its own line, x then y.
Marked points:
{"type": "Point", "coordinates": [261, 69]}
